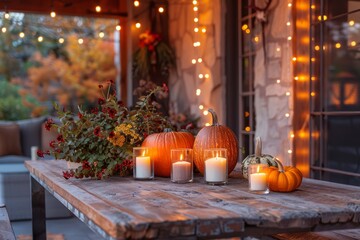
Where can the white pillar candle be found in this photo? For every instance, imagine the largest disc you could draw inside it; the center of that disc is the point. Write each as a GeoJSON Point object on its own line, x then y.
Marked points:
{"type": "Point", "coordinates": [143, 167]}
{"type": "Point", "coordinates": [215, 169]}
{"type": "Point", "coordinates": [34, 150]}
{"type": "Point", "coordinates": [181, 171]}
{"type": "Point", "coordinates": [258, 181]}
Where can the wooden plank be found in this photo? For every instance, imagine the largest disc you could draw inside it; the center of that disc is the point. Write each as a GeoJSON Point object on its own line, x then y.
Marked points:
{"type": "Point", "coordinates": [124, 208]}
{"type": "Point", "coordinates": [6, 231]}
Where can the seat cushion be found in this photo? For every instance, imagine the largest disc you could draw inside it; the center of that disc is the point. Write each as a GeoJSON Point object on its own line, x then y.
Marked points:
{"type": "Point", "coordinates": [30, 132]}
{"type": "Point", "coordinates": [12, 159]}
{"type": "Point", "coordinates": [10, 139]}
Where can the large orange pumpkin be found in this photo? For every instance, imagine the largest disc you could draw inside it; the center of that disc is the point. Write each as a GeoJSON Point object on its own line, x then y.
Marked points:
{"type": "Point", "coordinates": [215, 136]}
{"type": "Point", "coordinates": [284, 179]}
{"type": "Point", "coordinates": [161, 144]}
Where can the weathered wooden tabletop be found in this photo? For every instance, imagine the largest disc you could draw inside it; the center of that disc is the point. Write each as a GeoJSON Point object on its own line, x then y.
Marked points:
{"type": "Point", "coordinates": [120, 207]}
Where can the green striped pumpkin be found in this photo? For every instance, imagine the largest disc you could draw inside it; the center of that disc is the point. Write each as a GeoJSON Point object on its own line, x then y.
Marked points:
{"type": "Point", "coordinates": [257, 158]}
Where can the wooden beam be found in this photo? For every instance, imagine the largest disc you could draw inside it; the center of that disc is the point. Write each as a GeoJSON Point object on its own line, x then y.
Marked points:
{"type": "Point", "coordinates": [109, 8]}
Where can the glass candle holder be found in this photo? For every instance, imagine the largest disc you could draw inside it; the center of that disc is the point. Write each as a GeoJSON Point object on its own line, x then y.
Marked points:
{"type": "Point", "coordinates": [216, 166]}
{"type": "Point", "coordinates": [181, 165]}
{"type": "Point", "coordinates": [258, 178]}
{"type": "Point", "coordinates": [143, 165]}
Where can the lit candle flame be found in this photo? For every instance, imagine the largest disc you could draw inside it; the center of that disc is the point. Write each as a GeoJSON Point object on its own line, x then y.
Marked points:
{"type": "Point", "coordinates": [143, 154]}
{"type": "Point", "coordinates": [181, 157]}
{"type": "Point", "coordinates": [258, 169]}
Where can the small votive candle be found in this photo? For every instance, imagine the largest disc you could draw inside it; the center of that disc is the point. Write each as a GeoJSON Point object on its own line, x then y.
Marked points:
{"type": "Point", "coordinates": [216, 166]}
{"type": "Point", "coordinates": [143, 165]}
{"type": "Point", "coordinates": [181, 165]}
{"type": "Point", "coordinates": [258, 178]}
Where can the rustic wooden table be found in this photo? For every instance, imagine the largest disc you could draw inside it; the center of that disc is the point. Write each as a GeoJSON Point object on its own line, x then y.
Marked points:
{"type": "Point", "coordinates": [120, 208]}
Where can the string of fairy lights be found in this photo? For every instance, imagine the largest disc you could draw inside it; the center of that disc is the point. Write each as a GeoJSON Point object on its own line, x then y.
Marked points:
{"type": "Point", "coordinates": [101, 33]}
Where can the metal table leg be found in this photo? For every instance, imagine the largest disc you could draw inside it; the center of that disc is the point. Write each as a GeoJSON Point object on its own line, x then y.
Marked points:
{"type": "Point", "coordinates": [38, 210]}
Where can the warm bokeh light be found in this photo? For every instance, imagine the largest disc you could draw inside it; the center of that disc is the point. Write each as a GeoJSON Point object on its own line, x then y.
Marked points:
{"type": "Point", "coordinates": [195, 9]}
{"type": "Point", "coordinates": [351, 22]}
{"type": "Point", "coordinates": [290, 151]}
{"type": "Point", "coordinates": [198, 92]}
{"type": "Point", "coordinates": [61, 40]}
{"type": "Point", "coordinates": [196, 19]}
{"type": "Point", "coordinates": [256, 39]}
{"type": "Point", "coordinates": [101, 34]}
{"type": "Point", "coordinates": [312, 94]}
{"type": "Point", "coordinates": [98, 8]}
{"type": "Point", "coordinates": [136, 3]}
{"type": "Point", "coordinates": [207, 75]}
{"type": "Point", "coordinates": [138, 25]}
{"type": "Point", "coordinates": [80, 41]}
{"type": "Point", "coordinates": [287, 115]}
{"type": "Point", "coordinates": [244, 27]}
{"type": "Point", "coordinates": [40, 39]}
{"type": "Point", "coordinates": [338, 45]}
{"type": "Point", "coordinates": [195, 2]}
{"type": "Point", "coordinates": [203, 30]}
{"type": "Point", "coordinates": [296, 78]}
{"type": "Point", "coordinates": [196, 29]}
{"type": "Point", "coordinates": [199, 60]}
{"type": "Point", "coordinates": [161, 9]}
{"type": "Point", "coordinates": [6, 15]}
{"type": "Point", "coordinates": [22, 34]}
{"type": "Point", "coordinates": [193, 61]}
{"type": "Point", "coordinates": [289, 38]}
{"type": "Point", "coordinates": [289, 4]}
{"type": "Point", "coordinates": [278, 81]}
{"type": "Point", "coordinates": [201, 107]}
{"type": "Point", "coordinates": [201, 75]}
{"type": "Point", "coordinates": [53, 14]}
{"type": "Point", "coordinates": [317, 48]}
{"type": "Point", "coordinates": [247, 31]}
{"type": "Point", "coordinates": [294, 59]}
{"type": "Point", "coordinates": [205, 112]}
{"type": "Point", "coordinates": [3, 29]}
{"type": "Point", "coordinates": [287, 93]}
{"type": "Point", "coordinates": [247, 129]}
{"type": "Point", "coordinates": [353, 43]}
{"type": "Point", "coordinates": [118, 27]}
{"type": "Point", "coordinates": [288, 24]}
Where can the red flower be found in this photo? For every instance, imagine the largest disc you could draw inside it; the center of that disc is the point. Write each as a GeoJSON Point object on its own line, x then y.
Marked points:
{"type": "Point", "coordinates": [165, 88]}
{"type": "Point", "coordinates": [112, 112]}
{"type": "Point", "coordinates": [52, 144]}
{"type": "Point", "coordinates": [85, 165]}
{"type": "Point", "coordinates": [48, 124]}
{"type": "Point", "coordinates": [121, 103]}
{"type": "Point", "coordinates": [40, 153]}
{"type": "Point", "coordinates": [101, 101]}
{"type": "Point", "coordinates": [97, 131]}
{"type": "Point", "coordinates": [80, 115]}
{"type": "Point", "coordinates": [60, 138]}
{"type": "Point", "coordinates": [95, 110]}
{"type": "Point", "coordinates": [111, 134]}
{"type": "Point", "coordinates": [100, 86]}
{"type": "Point", "coordinates": [68, 174]}
{"type": "Point", "coordinates": [111, 81]}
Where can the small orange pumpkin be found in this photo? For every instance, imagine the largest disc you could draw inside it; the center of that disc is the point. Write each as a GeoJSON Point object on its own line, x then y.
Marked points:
{"type": "Point", "coordinates": [284, 179]}
{"type": "Point", "coordinates": [215, 136]}
{"type": "Point", "coordinates": [161, 144]}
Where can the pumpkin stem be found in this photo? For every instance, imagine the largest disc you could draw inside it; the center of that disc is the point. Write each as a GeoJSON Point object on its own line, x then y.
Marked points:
{"type": "Point", "coordinates": [168, 130]}
{"type": "Point", "coordinates": [280, 166]}
{"type": "Point", "coordinates": [258, 147]}
{"type": "Point", "coordinates": [214, 117]}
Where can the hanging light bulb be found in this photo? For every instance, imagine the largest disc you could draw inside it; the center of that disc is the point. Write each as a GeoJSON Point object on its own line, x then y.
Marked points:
{"type": "Point", "coordinates": [52, 14]}
{"type": "Point", "coordinates": [101, 34]}
{"type": "Point", "coordinates": [137, 25]}
{"type": "Point", "coordinates": [161, 9]}
{"type": "Point", "coordinates": [61, 40]}
{"type": "Point", "coordinates": [136, 3]}
{"type": "Point", "coordinates": [40, 39]}
{"type": "Point", "coordinates": [118, 27]}
{"type": "Point", "coordinates": [80, 41]}
{"type": "Point", "coordinates": [98, 8]}
{"type": "Point", "coordinates": [6, 15]}
{"type": "Point", "coordinates": [21, 34]}
{"type": "Point", "coordinates": [3, 29]}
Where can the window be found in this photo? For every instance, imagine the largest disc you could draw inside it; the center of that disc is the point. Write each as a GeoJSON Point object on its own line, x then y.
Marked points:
{"type": "Point", "coordinates": [248, 33]}
{"type": "Point", "coordinates": [335, 88]}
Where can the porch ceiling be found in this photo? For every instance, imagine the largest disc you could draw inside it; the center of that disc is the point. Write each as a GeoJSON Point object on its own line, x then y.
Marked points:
{"type": "Point", "coordinates": [85, 8]}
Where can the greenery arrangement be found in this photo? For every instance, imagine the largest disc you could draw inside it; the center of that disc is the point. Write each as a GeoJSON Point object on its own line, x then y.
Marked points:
{"type": "Point", "coordinates": [153, 55]}
{"type": "Point", "coordinates": [102, 139]}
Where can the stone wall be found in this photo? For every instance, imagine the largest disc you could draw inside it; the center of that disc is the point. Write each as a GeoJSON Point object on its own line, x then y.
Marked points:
{"type": "Point", "coordinates": [273, 84]}
{"type": "Point", "coordinates": [273, 77]}
{"type": "Point", "coordinates": [184, 82]}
